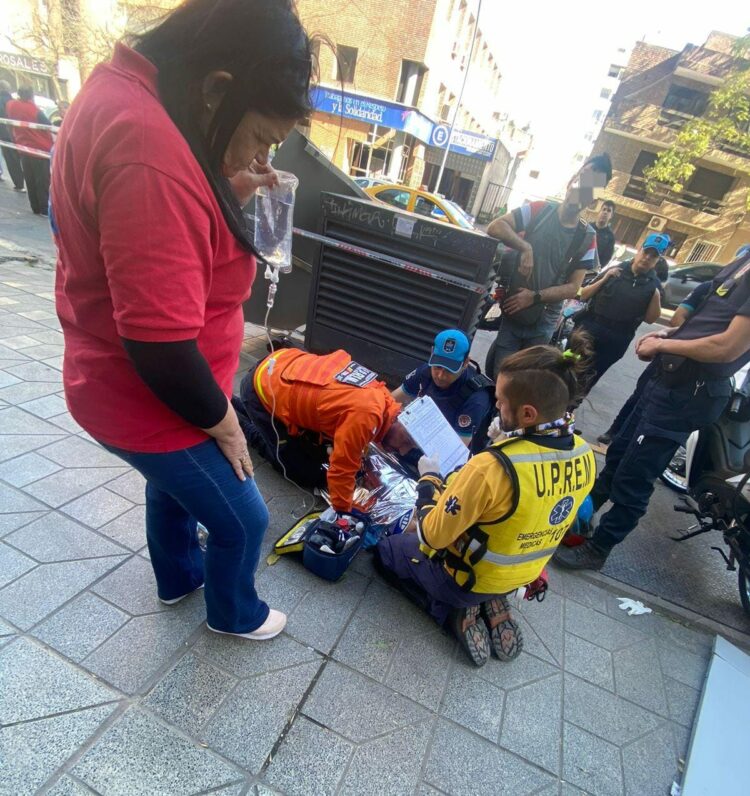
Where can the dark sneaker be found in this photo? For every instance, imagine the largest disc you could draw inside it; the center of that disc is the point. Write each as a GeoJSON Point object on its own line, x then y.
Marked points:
{"type": "Point", "coordinates": [587, 556]}
{"type": "Point", "coordinates": [506, 637]}
{"type": "Point", "coordinates": [471, 634]}
{"type": "Point", "coordinates": [605, 438]}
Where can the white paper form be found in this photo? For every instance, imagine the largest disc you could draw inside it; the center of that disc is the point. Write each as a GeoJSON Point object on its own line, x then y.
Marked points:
{"type": "Point", "coordinates": [428, 427]}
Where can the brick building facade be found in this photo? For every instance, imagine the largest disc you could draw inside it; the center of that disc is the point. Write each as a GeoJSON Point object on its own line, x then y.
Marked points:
{"type": "Point", "coordinates": [660, 91]}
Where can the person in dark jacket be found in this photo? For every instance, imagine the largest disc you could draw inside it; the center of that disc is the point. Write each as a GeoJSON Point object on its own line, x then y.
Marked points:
{"type": "Point", "coordinates": [618, 301]}
{"type": "Point", "coordinates": [605, 238]}
{"type": "Point", "coordinates": [12, 159]}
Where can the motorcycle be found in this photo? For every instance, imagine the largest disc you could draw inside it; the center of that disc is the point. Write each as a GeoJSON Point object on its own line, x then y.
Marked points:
{"type": "Point", "coordinates": [713, 469]}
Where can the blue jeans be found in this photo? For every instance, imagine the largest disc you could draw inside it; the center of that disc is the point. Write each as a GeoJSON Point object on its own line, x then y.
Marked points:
{"type": "Point", "coordinates": [198, 484]}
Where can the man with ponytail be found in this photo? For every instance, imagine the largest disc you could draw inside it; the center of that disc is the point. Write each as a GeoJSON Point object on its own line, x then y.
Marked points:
{"type": "Point", "coordinates": [491, 526]}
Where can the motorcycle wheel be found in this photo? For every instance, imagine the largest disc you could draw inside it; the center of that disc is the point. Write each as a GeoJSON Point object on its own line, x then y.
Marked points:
{"type": "Point", "coordinates": [674, 474]}
{"type": "Point", "coordinates": [743, 583]}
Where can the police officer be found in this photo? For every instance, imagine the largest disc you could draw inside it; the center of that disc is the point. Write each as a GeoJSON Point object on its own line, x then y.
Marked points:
{"type": "Point", "coordinates": [461, 392]}
{"type": "Point", "coordinates": [618, 300]}
{"type": "Point", "coordinates": [685, 388]}
{"type": "Point", "coordinates": [490, 528]}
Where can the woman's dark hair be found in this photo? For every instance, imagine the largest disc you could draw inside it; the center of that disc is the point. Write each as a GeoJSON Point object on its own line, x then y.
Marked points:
{"type": "Point", "coordinates": [546, 377]}
{"type": "Point", "coordinates": [262, 44]}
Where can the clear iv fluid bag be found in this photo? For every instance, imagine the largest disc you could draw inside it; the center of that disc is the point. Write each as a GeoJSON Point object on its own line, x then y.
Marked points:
{"type": "Point", "coordinates": [274, 214]}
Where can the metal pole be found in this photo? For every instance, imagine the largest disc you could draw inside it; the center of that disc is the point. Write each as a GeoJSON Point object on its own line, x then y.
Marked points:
{"type": "Point", "coordinates": [460, 96]}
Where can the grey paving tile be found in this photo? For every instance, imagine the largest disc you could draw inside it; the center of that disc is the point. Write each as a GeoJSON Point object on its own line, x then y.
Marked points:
{"type": "Point", "coordinates": [132, 587]}
{"type": "Point", "coordinates": [367, 648]}
{"type": "Point", "coordinates": [27, 468]}
{"type": "Point", "coordinates": [278, 592]}
{"type": "Point", "coordinates": [419, 667]}
{"type": "Point", "coordinates": [97, 508]}
{"type": "Point", "coordinates": [35, 683]}
{"type": "Point", "coordinates": [12, 445]}
{"type": "Point", "coordinates": [35, 371]}
{"type": "Point", "coordinates": [472, 702]}
{"type": "Point", "coordinates": [6, 629]}
{"type": "Point", "coordinates": [6, 379]}
{"type": "Point", "coordinates": [66, 786]}
{"type": "Point", "coordinates": [66, 422]}
{"type": "Point", "coordinates": [9, 522]}
{"type": "Point", "coordinates": [682, 700]}
{"type": "Point", "coordinates": [19, 342]}
{"type": "Point", "coordinates": [32, 752]}
{"type": "Point", "coordinates": [510, 674]}
{"type": "Point", "coordinates": [131, 657]}
{"type": "Point", "coordinates": [245, 659]}
{"type": "Point", "coordinates": [12, 564]}
{"type": "Point", "coordinates": [614, 719]}
{"type": "Point", "coordinates": [598, 628]}
{"type": "Point", "coordinates": [46, 407]}
{"type": "Point", "coordinates": [569, 790]}
{"type": "Point", "coordinates": [670, 632]}
{"type": "Point", "coordinates": [532, 722]}
{"type": "Point", "coordinates": [311, 759]}
{"type": "Point", "coordinates": [546, 619]}
{"type": "Point", "coordinates": [251, 719]}
{"type": "Point", "coordinates": [591, 763]}
{"type": "Point", "coordinates": [28, 391]}
{"type": "Point", "coordinates": [681, 665]}
{"type": "Point", "coordinates": [320, 618]}
{"type": "Point", "coordinates": [128, 529]}
{"type": "Point", "coordinates": [78, 628]}
{"type": "Point", "coordinates": [139, 756]}
{"type": "Point", "coordinates": [681, 739]}
{"type": "Point", "coordinates": [390, 764]}
{"type": "Point", "coordinates": [49, 336]}
{"type": "Point", "coordinates": [379, 709]}
{"type": "Point", "coordinates": [67, 484]}
{"type": "Point", "coordinates": [392, 611]}
{"type": "Point", "coordinates": [638, 677]}
{"type": "Point", "coordinates": [74, 450]}
{"type": "Point", "coordinates": [650, 764]}
{"type": "Point", "coordinates": [36, 594]}
{"type": "Point", "coordinates": [188, 695]}
{"type": "Point", "coordinates": [14, 501]}
{"type": "Point", "coordinates": [589, 662]}
{"type": "Point", "coordinates": [55, 537]}
{"type": "Point", "coordinates": [270, 483]}
{"type": "Point", "coordinates": [44, 351]}
{"type": "Point", "coordinates": [535, 646]}
{"type": "Point", "coordinates": [574, 587]}
{"type": "Point", "coordinates": [499, 773]}
{"type": "Point", "coordinates": [131, 486]}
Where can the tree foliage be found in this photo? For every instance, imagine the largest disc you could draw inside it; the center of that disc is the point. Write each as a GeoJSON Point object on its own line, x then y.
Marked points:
{"type": "Point", "coordinates": [726, 122]}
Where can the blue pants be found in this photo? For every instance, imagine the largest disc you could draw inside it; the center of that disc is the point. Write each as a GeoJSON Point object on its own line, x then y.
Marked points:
{"type": "Point", "coordinates": [513, 337]}
{"type": "Point", "coordinates": [609, 347]}
{"type": "Point", "coordinates": [194, 485]}
{"type": "Point", "coordinates": [658, 424]}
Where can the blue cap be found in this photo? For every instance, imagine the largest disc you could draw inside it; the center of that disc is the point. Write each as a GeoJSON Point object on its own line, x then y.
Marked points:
{"type": "Point", "coordinates": [450, 350]}
{"type": "Point", "coordinates": [658, 241]}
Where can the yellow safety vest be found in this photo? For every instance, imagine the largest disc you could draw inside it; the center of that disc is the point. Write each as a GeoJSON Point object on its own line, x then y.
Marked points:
{"type": "Point", "coordinates": [549, 487]}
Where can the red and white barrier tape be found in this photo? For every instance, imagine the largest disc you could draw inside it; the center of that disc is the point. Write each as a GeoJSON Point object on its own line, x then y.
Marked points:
{"type": "Point", "coordinates": [50, 128]}
{"type": "Point", "coordinates": [25, 150]}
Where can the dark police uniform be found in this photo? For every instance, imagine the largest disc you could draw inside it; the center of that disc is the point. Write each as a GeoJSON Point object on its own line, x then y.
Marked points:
{"type": "Point", "coordinates": [614, 314]}
{"type": "Point", "coordinates": [465, 404]}
{"type": "Point", "coordinates": [678, 396]}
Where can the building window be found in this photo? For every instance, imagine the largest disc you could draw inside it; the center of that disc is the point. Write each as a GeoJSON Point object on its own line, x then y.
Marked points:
{"type": "Point", "coordinates": [373, 156]}
{"type": "Point", "coordinates": [628, 230]}
{"type": "Point", "coordinates": [636, 187]}
{"type": "Point", "coordinates": [346, 63]}
{"type": "Point", "coordinates": [614, 71]}
{"type": "Point", "coordinates": [703, 251]}
{"type": "Point", "coordinates": [605, 93]}
{"type": "Point", "coordinates": [410, 82]}
{"type": "Point", "coordinates": [598, 116]}
{"type": "Point", "coordinates": [677, 239]}
{"type": "Point", "coordinates": [685, 100]}
{"type": "Point", "coordinates": [315, 51]}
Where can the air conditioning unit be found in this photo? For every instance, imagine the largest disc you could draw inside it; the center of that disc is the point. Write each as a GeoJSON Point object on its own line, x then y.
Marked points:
{"type": "Point", "coordinates": [657, 223]}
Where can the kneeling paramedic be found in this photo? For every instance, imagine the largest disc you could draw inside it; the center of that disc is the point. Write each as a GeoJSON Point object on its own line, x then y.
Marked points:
{"type": "Point", "coordinates": [313, 402]}
{"type": "Point", "coordinates": [461, 392]}
{"type": "Point", "coordinates": [492, 525]}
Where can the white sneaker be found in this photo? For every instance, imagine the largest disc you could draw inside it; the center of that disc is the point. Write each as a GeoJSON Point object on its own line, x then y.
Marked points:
{"type": "Point", "coordinates": [275, 623]}
{"type": "Point", "coordinates": [178, 599]}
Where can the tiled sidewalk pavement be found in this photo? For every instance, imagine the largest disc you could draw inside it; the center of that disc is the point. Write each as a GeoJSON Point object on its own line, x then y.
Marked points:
{"type": "Point", "coordinates": [103, 689]}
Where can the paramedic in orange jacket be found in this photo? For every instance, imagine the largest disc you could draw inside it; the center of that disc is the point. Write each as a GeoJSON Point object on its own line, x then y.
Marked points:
{"type": "Point", "coordinates": [315, 401]}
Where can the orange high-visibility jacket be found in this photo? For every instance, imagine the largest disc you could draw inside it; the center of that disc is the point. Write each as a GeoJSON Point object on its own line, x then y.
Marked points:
{"type": "Point", "coordinates": [303, 392]}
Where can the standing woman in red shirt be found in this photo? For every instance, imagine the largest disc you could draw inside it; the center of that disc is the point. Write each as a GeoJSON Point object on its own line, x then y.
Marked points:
{"type": "Point", "coordinates": [157, 153]}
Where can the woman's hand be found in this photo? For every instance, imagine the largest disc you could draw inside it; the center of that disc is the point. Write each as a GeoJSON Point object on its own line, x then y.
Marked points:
{"type": "Point", "coordinates": [232, 443]}
{"type": "Point", "coordinates": [246, 182]}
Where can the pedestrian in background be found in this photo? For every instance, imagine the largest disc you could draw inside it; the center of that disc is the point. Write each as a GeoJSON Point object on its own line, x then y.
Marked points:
{"type": "Point", "coordinates": [11, 156]}
{"type": "Point", "coordinates": [155, 262]}
{"type": "Point", "coordinates": [605, 238]}
{"type": "Point", "coordinates": [36, 168]}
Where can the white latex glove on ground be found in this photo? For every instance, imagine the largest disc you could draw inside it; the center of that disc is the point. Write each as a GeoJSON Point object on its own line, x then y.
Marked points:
{"type": "Point", "coordinates": [429, 464]}
{"type": "Point", "coordinates": [495, 430]}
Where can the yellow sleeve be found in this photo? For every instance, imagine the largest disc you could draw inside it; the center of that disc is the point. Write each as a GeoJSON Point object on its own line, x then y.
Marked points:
{"type": "Point", "coordinates": [466, 497]}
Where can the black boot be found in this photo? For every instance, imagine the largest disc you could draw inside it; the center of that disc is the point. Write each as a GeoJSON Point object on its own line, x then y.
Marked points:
{"type": "Point", "coordinates": [585, 556]}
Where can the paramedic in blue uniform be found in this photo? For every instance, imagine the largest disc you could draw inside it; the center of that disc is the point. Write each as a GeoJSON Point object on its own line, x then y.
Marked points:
{"type": "Point", "coordinates": [461, 392]}
{"type": "Point", "coordinates": [686, 387]}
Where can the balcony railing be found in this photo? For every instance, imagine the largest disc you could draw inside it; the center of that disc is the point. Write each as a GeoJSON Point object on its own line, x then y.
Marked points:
{"type": "Point", "coordinates": [636, 189]}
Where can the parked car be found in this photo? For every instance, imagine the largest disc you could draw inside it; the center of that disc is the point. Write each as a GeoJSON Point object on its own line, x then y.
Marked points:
{"type": "Point", "coordinates": [370, 182]}
{"type": "Point", "coordinates": [421, 202]}
{"type": "Point", "coordinates": [684, 278]}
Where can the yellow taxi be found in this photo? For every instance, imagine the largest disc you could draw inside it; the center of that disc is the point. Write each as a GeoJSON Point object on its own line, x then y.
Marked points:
{"type": "Point", "coordinates": [438, 208]}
